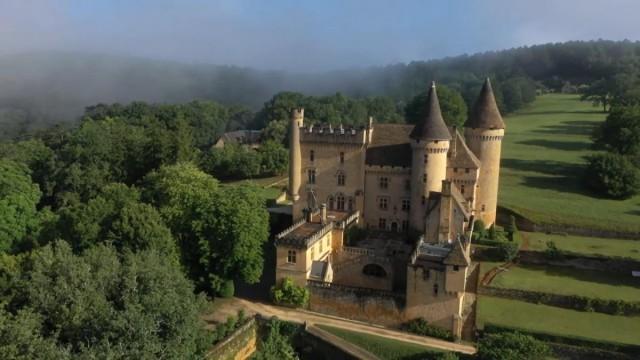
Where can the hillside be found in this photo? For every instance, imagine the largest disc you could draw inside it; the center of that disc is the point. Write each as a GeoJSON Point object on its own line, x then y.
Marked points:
{"type": "Point", "coordinates": [543, 166]}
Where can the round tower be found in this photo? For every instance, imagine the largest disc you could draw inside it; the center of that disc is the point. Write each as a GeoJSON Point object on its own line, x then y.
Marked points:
{"type": "Point", "coordinates": [430, 140]}
{"type": "Point", "coordinates": [295, 156]}
{"type": "Point", "coordinates": [484, 131]}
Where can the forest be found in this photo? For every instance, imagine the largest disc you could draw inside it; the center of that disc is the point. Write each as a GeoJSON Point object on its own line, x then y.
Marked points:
{"type": "Point", "coordinates": [115, 226]}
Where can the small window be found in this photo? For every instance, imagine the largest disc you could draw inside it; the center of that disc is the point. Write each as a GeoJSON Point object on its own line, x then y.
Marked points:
{"type": "Point", "coordinates": [435, 289]}
{"type": "Point", "coordinates": [455, 169]}
{"type": "Point", "coordinates": [456, 267]}
{"type": "Point", "coordinates": [406, 204]}
{"type": "Point", "coordinates": [350, 203]}
{"type": "Point", "coordinates": [462, 189]}
{"type": "Point", "coordinates": [312, 155]}
{"type": "Point", "coordinates": [427, 274]}
{"type": "Point", "coordinates": [341, 158]}
{"type": "Point", "coordinates": [384, 182]}
{"type": "Point", "coordinates": [340, 202]}
{"type": "Point", "coordinates": [291, 256]}
{"type": "Point", "coordinates": [312, 176]}
{"type": "Point", "coordinates": [382, 223]}
{"type": "Point", "coordinates": [483, 208]}
{"type": "Point", "coordinates": [407, 184]}
{"type": "Point", "coordinates": [466, 170]}
{"type": "Point", "coordinates": [423, 200]}
{"type": "Point", "coordinates": [341, 179]}
{"type": "Point", "coordinates": [424, 178]}
{"type": "Point", "coordinates": [405, 225]}
{"type": "Point", "coordinates": [383, 203]}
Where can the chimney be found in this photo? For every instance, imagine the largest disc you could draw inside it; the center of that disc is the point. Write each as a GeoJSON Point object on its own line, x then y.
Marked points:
{"type": "Point", "coordinates": [323, 213]}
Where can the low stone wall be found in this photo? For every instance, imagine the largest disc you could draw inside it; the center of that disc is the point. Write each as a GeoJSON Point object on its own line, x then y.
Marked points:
{"type": "Point", "coordinates": [363, 304]}
{"type": "Point", "coordinates": [617, 265]}
{"type": "Point", "coordinates": [238, 346]}
{"type": "Point", "coordinates": [504, 214]}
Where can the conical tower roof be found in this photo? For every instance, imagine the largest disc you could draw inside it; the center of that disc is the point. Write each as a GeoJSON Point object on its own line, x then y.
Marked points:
{"type": "Point", "coordinates": [485, 113]}
{"type": "Point", "coordinates": [432, 126]}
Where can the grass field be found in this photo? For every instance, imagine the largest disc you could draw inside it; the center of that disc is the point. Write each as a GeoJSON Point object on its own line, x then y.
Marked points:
{"type": "Point", "coordinates": [569, 281]}
{"type": "Point", "coordinates": [384, 348]}
{"type": "Point", "coordinates": [543, 162]}
{"type": "Point", "coordinates": [553, 320]}
{"type": "Point", "coordinates": [587, 245]}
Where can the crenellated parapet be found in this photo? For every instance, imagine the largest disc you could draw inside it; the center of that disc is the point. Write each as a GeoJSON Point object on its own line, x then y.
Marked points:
{"type": "Point", "coordinates": [326, 133]}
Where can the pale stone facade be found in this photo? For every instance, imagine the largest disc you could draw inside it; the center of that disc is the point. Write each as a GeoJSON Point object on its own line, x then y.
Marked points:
{"type": "Point", "coordinates": [417, 189]}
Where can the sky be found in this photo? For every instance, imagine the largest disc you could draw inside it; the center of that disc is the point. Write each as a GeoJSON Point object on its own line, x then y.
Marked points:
{"type": "Point", "coordinates": [305, 35]}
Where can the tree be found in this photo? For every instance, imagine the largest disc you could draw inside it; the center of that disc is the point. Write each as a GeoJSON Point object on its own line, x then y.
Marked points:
{"type": "Point", "coordinates": [101, 304]}
{"type": "Point", "coordinates": [115, 216]}
{"type": "Point", "coordinates": [511, 346]}
{"type": "Point", "coordinates": [19, 197]}
{"type": "Point", "coordinates": [612, 175]}
{"type": "Point", "coordinates": [452, 105]}
{"type": "Point", "coordinates": [274, 158]}
{"type": "Point", "coordinates": [620, 132]}
{"type": "Point", "coordinates": [507, 251]}
{"type": "Point", "coordinates": [276, 346]}
{"type": "Point", "coordinates": [220, 231]}
{"type": "Point", "coordinates": [290, 294]}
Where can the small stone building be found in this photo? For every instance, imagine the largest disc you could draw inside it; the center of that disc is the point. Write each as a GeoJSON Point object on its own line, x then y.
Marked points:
{"type": "Point", "coordinates": [416, 189]}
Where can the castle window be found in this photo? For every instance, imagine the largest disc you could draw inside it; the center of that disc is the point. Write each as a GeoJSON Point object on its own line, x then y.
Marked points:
{"type": "Point", "coordinates": [384, 182]}
{"type": "Point", "coordinates": [424, 178]}
{"type": "Point", "coordinates": [456, 267]}
{"type": "Point", "coordinates": [423, 200]}
{"type": "Point", "coordinates": [340, 179]}
{"type": "Point", "coordinates": [483, 208]}
{"type": "Point", "coordinates": [462, 189]}
{"type": "Point", "coordinates": [382, 223]}
{"type": "Point", "coordinates": [350, 203]}
{"type": "Point", "coordinates": [331, 203]}
{"type": "Point", "coordinates": [291, 256]}
{"type": "Point", "coordinates": [427, 274]}
{"type": "Point", "coordinates": [340, 202]}
{"type": "Point", "coordinates": [374, 270]}
{"type": "Point", "coordinates": [341, 158]}
{"type": "Point", "coordinates": [312, 155]}
{"type": "Point", "coordinates": [383, 203]}
{"type": "Point", "coordinates": [455, 169]}
{"type": "Point", "coordinates": [405, 225]}
{"type": "Point", "coordinates": [406, 204]}
{"type": "Point", "coordinates": [435, 289]}
{"type": "Point", "coordinates": [407, 184]}
{"type": "Point", "coordinates": [312, 176]}
{"type": "Point", "coordinates": [466, 170]}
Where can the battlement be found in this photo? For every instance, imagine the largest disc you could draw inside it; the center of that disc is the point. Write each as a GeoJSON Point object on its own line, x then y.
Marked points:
{"type": "Point", "coordinates": [326, 133]}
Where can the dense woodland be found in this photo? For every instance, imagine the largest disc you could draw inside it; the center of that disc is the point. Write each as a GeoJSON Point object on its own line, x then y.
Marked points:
{"type": "Point", "coordinates": [114, 227]}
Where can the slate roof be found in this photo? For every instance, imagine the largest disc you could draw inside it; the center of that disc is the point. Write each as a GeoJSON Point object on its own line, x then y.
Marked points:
{"type": "Point", "coordinates": [485, 113]}
{"type": "Point", "coordinates": [464, 157]}
{"type": "Point", "coordinates": [457, 256]}
{"type": "Point", "coordinates": [432, 127]}
{"type": "Point", "coordinates": [390, 145]}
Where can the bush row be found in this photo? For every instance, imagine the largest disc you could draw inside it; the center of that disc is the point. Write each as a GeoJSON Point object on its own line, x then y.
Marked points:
{"type": "Point", "coordinates": [227, 328]}
{"type": "Point", "coordinates": [420, 326]}
{"type": "Point", "coordinates": [632, 350]}
{"type": "Point", "coordinates": [582, 303]}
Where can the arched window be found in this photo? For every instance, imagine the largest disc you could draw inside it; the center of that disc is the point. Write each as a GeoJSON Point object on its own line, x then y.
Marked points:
{"type": "Point", "coordinates": [435, 289]}
{"type": "Point", "coordinates": [340, 202]}
{"type": "Point", "coordinates": [331, 204]}
{"type": "Point", "coordinates": [341, 179]}
{"type": "Point", "coordinates": [350, 203]}
{"type": "Point", "coordinates": [374, 270]}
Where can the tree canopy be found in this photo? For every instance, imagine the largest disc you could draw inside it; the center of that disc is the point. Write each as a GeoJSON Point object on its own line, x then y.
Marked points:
{"type": "Point", "coordinates": [454, 110]}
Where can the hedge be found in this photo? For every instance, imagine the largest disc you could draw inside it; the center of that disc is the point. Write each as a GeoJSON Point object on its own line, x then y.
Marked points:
{"type": "Point", "coordinates": [632, 350]}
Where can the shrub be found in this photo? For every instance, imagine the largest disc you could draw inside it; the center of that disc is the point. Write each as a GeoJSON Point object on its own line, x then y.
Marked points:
{"type": "Point", "coordinates": [290, 294]}
{"type": "Point", "coordinates": [227, 290]}
{"type": "Point", "coordinates": [507, 251]}
{"type": "Point", "coordinates": [511, 228]}
{"type": "Point", "coordinates": [552, 251]}
{"type": "Point", "coordinates": [479, 230]}
{"type": "Point", "coordinates": [421, 327]}
{"type": "Point", "coordinates": [612, 175]}
{"type": "Point", "coordinates": [511, 346]}
{"type": "Point", "coordinates": [276, 345]}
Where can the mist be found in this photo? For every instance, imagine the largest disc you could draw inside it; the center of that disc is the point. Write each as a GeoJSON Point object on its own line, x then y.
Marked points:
{"type": "Point", "coordinates": [57, 57]}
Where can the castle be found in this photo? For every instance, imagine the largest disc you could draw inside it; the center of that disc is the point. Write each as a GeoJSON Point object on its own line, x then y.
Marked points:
{"type": "Point", "coordinates": [415, 189]}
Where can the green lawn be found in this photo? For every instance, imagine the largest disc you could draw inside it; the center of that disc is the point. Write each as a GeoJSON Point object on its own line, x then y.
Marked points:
{"type": "Point", "coordinates": [587, 245]}
{"type": "Point", "coordinates": [382, 347]}
{"type": "Point", "coordinates": [549, 319]}
{"type": "Point", "coordinates": [569, 281]}
{"type": "Point", "coordinates": [542, 165]}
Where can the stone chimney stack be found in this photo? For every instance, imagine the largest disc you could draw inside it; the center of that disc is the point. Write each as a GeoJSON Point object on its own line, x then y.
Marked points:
{"type": "Point", "coordinates": [323, 213]}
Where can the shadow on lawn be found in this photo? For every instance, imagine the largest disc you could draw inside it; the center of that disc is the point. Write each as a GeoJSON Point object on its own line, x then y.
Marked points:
{"type": "Point", "coordinates": [589, 276]}
{"type": "Point", "coordinates": [558, 145]}
{"type": "Point", "coordinates": [560, 176]}
{"type": "Point", "coordinates": [572, 127]}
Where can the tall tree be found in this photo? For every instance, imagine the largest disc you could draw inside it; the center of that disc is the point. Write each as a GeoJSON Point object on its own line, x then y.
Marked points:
{"type": "Point", "coordinates": [452, 105]}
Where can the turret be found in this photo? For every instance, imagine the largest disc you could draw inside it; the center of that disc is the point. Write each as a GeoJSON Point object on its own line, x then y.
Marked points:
{"type": "Point", "coordinates": [430, 140]}
{"type": "Point", "coordinates": [295, 157]}
{"type": "Point", "coordinates": [484, 131]}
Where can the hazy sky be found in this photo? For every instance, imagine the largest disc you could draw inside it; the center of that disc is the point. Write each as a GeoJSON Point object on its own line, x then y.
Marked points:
{"type": "Point", "coordinates": [306, 35]}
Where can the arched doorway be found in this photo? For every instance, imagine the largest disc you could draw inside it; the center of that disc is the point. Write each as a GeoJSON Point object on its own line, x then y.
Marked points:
{"type": "Point", "coordinates": [374, 270]}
